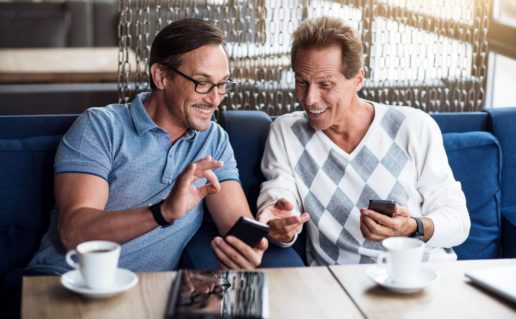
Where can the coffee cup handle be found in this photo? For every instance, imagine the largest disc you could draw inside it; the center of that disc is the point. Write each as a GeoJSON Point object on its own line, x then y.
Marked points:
{"type": "Point", "coordinates": [69, 259]}
{"type": "Point", "coordinates": [382, 259]}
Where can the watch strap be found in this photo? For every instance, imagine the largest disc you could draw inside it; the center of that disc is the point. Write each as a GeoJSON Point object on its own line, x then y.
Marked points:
{"type": "Point", "coordinates": [158, 215]}
{"type": "Point", "coordinates": [419, 233]}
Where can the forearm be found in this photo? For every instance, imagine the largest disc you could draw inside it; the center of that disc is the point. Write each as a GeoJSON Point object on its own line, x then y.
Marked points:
{"type": "Point", "coordinates": [85, 224]}
{"type": "Point", "coordinates": [228, 205]}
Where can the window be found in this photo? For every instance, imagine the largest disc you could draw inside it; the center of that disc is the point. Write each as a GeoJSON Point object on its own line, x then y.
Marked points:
{"type": "Point", "coordinates": [502, 57]}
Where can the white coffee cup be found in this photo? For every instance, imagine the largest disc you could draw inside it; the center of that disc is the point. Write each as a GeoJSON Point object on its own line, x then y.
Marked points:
{"type": "Point", "coordinates": [97, 262]}
{"type": "Point", "coordinates": [402, 259]}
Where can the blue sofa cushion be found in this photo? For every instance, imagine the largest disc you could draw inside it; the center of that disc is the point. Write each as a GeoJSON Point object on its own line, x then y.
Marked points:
{"type": "Point", "coordinates": [26, 196]}
{"type": "Point", "coordinates": [503, 126]}
{"type": "Point", "coordinates": [248, 132]}
{"type": "Point", "coordinates": [475, 158]}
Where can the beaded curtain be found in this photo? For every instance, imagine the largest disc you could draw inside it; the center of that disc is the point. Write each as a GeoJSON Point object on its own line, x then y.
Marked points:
{"type": "Point", "coordinates": [428, 54]}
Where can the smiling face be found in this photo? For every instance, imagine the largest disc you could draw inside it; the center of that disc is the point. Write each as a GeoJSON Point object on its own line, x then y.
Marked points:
{"type": "Point", "coordinates": [322, 89]}
{"type": "Point", "coordinates": [189, 109]}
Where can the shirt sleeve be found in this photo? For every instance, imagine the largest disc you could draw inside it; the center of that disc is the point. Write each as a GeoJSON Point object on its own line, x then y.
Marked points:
{"type": "Point", "coordinates": [224, 152]}
{"type": "Point", "coordinates": [279, 178]}
{"type": "Point", "coordinates": [443, 200]}
{"type": "Point", "coordinates": [86, 147]}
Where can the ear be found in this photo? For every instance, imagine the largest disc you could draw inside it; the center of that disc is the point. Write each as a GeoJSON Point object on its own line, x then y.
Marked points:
{"type": "Point", "coordinates": [159, 76]}
{"type": "Point", "coordinates": [359, 80]}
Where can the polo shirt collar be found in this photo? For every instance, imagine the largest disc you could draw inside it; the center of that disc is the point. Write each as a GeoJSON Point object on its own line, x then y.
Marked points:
{"type": "Point", "coordinates": [143, 122]}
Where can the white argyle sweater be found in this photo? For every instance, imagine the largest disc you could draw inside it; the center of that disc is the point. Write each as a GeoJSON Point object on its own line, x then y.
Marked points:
{"type": "Point", "coordinates": [401, 157]}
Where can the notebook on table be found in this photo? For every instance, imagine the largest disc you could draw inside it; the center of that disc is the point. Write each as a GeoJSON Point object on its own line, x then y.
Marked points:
{"type": "Point", "coordinates": [218, 294]}
{"type": "Point", "coordinates": [499, 280]}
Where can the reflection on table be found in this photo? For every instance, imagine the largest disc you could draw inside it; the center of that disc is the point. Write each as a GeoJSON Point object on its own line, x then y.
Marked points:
{"type": "Point", "coordinates": [293, 293]}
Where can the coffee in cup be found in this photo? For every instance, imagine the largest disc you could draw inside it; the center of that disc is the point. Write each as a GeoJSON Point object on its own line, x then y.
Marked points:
{"type": "Point", "coordinates": [97, 262]}
{"type": "Point", "coordinates": [402, 259]}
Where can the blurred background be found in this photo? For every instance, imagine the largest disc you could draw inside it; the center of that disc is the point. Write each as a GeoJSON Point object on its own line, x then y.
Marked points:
{"type": "Point", "coordinates": [62, 56]}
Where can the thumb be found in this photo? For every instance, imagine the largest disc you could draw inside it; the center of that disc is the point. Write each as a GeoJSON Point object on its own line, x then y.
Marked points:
{"type": "Point", "coordinates": [262, 245]}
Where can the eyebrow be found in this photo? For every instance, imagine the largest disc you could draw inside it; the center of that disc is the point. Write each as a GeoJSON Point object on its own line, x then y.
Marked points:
{"type": "Point", "coordinates": [207, 76]}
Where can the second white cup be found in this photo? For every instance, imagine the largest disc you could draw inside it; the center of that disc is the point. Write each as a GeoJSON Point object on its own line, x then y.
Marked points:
{"type": "Point", "coordinates": [402, 259]}
{"type": "Point", "coordinates": [97, 262]}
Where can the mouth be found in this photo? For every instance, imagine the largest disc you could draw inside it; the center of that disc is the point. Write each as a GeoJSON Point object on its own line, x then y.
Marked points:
{"type": "Point", "coordinates": [204, 109]}
{"type": "Point", "coordinates": [315, 112]}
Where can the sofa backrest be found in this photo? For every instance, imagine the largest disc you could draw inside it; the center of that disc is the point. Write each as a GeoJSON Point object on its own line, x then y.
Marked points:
{"type": "Point", "coordinates": [502, 123]}
{"type": "Point", "coordinates": [27, 148]}
{"type": "Point", "coordinates": [248, 131]}
{"type": "Point", "coordinates": [474, 156]}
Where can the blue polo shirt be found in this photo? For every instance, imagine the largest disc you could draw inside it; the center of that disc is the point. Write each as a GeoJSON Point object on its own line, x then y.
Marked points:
{"type": "Point", "coordinates": [121, 144]}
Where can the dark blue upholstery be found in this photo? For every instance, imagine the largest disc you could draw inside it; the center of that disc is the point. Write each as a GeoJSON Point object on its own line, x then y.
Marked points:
{"type": "Point", "coordinates": [248, 135]}
{"type": "Point", "coordinates": [478, 152]}
{"type": "Point", "coordinates": [27, 148]}
{"type": "Point", "coordinates": [461, 122]}
{"type": "Point", "coordinates": [503, 126]}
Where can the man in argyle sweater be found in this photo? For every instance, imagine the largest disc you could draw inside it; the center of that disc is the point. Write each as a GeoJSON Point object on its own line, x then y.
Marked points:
{"type": "Point", "coordinates": [323, 165]}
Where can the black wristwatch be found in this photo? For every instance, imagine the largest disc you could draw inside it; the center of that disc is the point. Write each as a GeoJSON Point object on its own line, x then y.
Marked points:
{"type": "Point", "coordinates": [420, 229]}
{"type": "Point", "coordinates": [158, 216]}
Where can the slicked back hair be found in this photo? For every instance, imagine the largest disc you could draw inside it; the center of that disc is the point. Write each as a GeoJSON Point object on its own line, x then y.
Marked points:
{"type": "Point", "coordinates": [181, 37]}
{"type": "Point", "coordinates": [324, 32]}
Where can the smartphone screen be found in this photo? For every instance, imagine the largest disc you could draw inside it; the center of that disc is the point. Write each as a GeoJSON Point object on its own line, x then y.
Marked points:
{"type": "Point", "coordinates": [385, 207]}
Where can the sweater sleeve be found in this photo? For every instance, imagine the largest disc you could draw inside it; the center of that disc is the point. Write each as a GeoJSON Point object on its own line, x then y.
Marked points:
{"type": "Point", "coordinates": [443, 200]}
{"type": "Point", "coordinates": [279, 177]}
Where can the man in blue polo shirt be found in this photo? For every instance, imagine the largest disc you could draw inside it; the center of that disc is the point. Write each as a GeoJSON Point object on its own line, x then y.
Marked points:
{"type": "Point", "coordinates": [139, 174]}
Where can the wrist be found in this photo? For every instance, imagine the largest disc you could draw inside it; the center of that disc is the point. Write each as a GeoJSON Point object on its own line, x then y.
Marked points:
{"type": "Point", "coordinates": [419, 233]}
{"type": "Point", "coordinates": [159, 215]}
{"type": "Point", "coordinates": [411, 227]}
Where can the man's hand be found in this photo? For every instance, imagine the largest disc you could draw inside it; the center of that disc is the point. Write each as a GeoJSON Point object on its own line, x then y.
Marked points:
{"type": "Point", "coordinates": [283, 225]}
{"type": "Point", "coordinates": [232, 253]}
{"type": "Point", "coordinates": [375, 226]}
{"type": "Point", "coordinates": [184, 195]}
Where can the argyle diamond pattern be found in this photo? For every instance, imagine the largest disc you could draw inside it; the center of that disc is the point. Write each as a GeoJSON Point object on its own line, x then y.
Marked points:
{"type": "Point", "coordinates": [336, 185]}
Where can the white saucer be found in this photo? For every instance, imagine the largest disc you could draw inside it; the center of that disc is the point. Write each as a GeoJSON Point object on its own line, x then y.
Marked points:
{"type": "Point", "coordinates": [124, 280]}
{"type": "Point", "coordinates": [379, 275]}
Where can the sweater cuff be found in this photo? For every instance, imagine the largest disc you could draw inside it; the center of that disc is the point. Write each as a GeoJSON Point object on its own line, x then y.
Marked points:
{"type": "Point", "coordinates": [282, 244]}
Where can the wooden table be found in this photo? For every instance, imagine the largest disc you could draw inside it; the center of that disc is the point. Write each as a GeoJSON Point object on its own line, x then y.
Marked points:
{"type": "Point", "coordinates": [293, 293]}
{"type": "Point", "coordinates": [453, 296]}
{"type": "Point", "coordinates": [60, 65]}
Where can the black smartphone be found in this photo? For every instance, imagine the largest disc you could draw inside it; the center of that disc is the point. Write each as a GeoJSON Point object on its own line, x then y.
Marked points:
{"type": "Point", "coordinates": [385, 207]}
{"type": "Point", "coordinates": [248, 230]}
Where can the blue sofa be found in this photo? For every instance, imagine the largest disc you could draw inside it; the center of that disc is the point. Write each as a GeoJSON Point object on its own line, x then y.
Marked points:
{"type": "Point", "coordinates": [480, 148]}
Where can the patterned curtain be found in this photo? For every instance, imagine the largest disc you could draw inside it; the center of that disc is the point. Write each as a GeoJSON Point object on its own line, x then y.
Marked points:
{"type": "Point", "coordinates": [428, 54]}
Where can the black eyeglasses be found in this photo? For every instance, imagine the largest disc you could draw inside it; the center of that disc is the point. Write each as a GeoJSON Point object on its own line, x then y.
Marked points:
{"type": "Point", "coordinates": [205, 87]}
{"type": "Point", "coordinates": [198, 299]}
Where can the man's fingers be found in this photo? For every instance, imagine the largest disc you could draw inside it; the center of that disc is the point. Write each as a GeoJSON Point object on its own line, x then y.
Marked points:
{"type": "Point", "coordinates": [288, 223]}
{"type": "Point", "coordinates": [207, 163]}
{"type": "Point", "coordinates": [224, 260]}
{"type": "Point", "coordinates": [375, 228]}
{"type": "Point", "coordinates": [244, 256]}
{"type": "Point", "coordinates": [213, 185]}
{"type": "Point", "coordinates": [283, 204]}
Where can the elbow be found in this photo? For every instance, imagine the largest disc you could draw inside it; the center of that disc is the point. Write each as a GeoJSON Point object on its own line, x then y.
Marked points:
{"type": "Point", "coordinates": [466, 228]}
{"type": "Point", "coordinates": [68, 236]}
{"type": "Point", "coordinates": [67, 239]}
{"type": "Point", "coordinates": [463, 230]}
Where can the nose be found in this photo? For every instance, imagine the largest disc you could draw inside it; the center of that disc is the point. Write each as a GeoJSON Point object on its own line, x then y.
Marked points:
{"type": "Point", "coordinates": [214, 97]}
{"type": "Point", "coordinates": [312, 95]}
